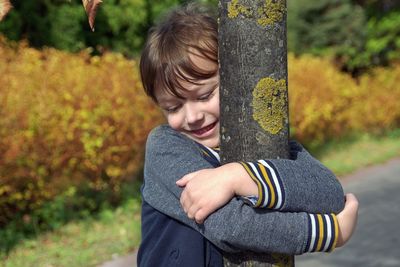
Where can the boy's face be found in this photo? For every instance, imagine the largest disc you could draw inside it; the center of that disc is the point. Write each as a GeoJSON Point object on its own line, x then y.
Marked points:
{"type": "Point", "coordinates": [197, 114]}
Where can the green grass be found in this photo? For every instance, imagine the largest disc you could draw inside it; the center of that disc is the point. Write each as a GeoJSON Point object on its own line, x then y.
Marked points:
{"type": "Point", "coordinates": [117, 232]}
{"type": "Point", "coordinates": [84, 243]}
{"type": "Point", "coordinates": [346, 156]}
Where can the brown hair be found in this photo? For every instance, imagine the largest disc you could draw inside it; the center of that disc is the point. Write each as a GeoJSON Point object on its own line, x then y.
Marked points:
{"type": "Point", "coordinates": [165, 60]}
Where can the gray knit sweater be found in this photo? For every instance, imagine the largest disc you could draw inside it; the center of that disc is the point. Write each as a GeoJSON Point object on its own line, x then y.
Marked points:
{"type": "Point", "coordinates": [312, 195]}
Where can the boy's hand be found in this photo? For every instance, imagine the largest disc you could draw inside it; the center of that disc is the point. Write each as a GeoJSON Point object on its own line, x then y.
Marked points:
{"type": "Point", "coordinates": [347, 220]}
{"type": "Point", "coordinates": [205, 191]}
{"type": "Point", "coordinates": [209, 189]}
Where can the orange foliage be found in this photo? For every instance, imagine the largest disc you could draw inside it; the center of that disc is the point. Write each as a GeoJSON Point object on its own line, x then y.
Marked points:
{"type": "Point", "coordinates": [66, 120]}
{"type": "Point", "coordinates": [378, 106]}
{"type": "Point", "coordinates": [326, 103]}
{"type": "Point", "coordinates": [69, 119]}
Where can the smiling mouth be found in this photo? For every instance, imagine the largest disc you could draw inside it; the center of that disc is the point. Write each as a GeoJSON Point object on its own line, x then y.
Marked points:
{"type": "Point", "coordinates": [202, 131]}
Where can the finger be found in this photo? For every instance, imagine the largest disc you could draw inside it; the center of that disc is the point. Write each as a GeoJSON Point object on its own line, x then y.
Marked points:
{"type": "Point", "coordinates": [200, 216]}
{"type": "Point", "coordinates": [185, 179]}
{"type": "Point", "coordinates": [184, 200]}
{"type": "Point", "coordinates": [198, 219]}
{"type": "Point", "coordinates": [190, 215]}
{"type": "Point", "coordinates": [192, 210]}
{"type": "Point", "coordinates": [188, 204]}
{"type": "Point", "coordinates": [351, 201]}
{"type": "Point", "coordinates": [350, 197]}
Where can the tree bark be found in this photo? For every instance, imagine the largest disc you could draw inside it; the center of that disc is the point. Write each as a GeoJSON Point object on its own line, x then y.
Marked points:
{"type": "Point", "coordinates": [253, 92]}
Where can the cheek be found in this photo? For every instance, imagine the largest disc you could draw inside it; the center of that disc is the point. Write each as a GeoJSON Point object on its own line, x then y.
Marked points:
{"type": "Point", "coordinates": [215, 106]}
{"type": "Point", "coordinates": [174, 122]}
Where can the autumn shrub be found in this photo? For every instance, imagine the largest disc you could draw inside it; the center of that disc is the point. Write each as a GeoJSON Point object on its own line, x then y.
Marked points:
{"type": "Point", "coordinates": [326, 104]}
{"type": "Point", "coordinates": [319, 98]}
{"type": "Point", "coordinates": [67, 122]}
{"type": "Point", "coordinates": [73, 127]}
{"type": "Point", "coordinates": [377, 107]}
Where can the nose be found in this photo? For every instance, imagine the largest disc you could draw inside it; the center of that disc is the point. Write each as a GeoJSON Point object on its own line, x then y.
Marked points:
{"type": "Point", "coordinates": [193, 113]}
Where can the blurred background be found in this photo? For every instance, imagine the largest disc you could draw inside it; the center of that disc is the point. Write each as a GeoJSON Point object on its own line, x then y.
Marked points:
{"type": "Point", "coordinates": [74, 119]}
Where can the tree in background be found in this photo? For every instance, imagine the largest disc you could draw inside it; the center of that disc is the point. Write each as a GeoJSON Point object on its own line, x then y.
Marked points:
{"type": "Point", "coordinates": [324, 26]}
{"type": "Point", "coordinates": [382, 44]}
{"type": "Point", "coordinates": [62, 24]}
{"type": "Point", "coordinates": [121, 25]}
{"type": "Point", "coordinates": [359, 34]}
{"type": "Point", "coordinates": [378, 7]}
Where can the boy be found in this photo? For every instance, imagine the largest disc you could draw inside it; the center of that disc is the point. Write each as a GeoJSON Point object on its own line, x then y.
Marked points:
{"type": "Point", "coordinates": [184, 183]}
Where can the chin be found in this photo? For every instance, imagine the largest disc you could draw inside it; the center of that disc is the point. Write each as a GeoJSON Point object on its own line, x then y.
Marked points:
{"type": "Point", "coordinates": [209, 143]}
{"type": "Point", "coordinates": [212, 141]}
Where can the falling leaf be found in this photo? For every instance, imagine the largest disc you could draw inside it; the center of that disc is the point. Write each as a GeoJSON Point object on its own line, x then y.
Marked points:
{"type": "Point", "coordinates": [5, 7]}
{"type": "Point", "coordinates": [91, 8]}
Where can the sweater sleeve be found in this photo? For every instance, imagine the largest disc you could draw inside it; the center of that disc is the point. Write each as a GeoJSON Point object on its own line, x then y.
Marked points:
{"type": "Point", "coordinates": [236, 226]}
{"type": "Point", "coordinates": [301, 183]}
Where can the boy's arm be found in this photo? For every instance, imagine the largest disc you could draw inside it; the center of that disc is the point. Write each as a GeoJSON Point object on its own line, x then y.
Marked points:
{"type": "Point", "coordinates": [301, 183]}
{"type": "Point", "coordinates": [235, 226]}
{"type": "Point", "coordinates": [298, 184]}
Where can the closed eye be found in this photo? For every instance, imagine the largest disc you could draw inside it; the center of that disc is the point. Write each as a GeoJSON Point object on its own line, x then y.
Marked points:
{"type": "Point", "coordinates": [207, 96]}
{"type": "Point", "coordinates": [172, 109]}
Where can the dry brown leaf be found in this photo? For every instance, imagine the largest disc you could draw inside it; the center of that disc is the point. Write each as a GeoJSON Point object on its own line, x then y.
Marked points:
{"type": "Point", "coordinates": [91, 8]}
{"type": "Point", "coordinates": [5, 7]}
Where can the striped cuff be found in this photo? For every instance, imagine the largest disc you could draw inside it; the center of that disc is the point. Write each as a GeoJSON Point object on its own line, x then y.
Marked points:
{"type": "Point", "coordinates": [250, 200]}
{"type": "Point", "coordinates": [323, 232]}
{"type": "Point", "coordinates": [271, 193]}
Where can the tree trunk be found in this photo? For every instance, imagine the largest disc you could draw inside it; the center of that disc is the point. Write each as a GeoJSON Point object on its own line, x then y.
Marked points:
{"type": "Point", "coordinates": [253, 92]}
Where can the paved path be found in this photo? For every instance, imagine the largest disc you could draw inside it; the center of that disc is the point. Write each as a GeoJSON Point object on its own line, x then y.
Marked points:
{"type": "Point", "coordinates": [127, 261]}
{"type": "Point", "coordinates": [376, 241]}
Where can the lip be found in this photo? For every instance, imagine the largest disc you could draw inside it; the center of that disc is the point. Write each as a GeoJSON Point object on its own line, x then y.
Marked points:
{"type": "Point", "coordinates": [205, 131]}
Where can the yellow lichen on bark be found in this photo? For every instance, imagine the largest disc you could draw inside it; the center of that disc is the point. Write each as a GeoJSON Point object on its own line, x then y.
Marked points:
{"type": "Point", "coordinates": [270, 104]}
{"type": "Point", "coordinates": [271, 12]}
{"type": "Point", "coordinates": [235, 9]}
